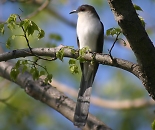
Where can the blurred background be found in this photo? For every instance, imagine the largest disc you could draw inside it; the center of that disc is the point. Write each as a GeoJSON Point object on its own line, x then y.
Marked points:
{"type": "Point", "coordinates": [113, 85]}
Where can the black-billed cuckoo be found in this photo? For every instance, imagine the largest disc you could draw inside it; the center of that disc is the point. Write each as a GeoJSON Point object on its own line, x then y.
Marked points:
{"type": "Point", "coordinates": [90, 32]}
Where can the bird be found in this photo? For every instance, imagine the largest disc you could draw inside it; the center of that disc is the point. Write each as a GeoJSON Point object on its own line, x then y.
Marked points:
{"type": "Point", "coordinates": [90, 33]}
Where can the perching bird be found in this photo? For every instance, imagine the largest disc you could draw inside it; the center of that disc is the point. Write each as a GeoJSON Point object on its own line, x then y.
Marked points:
{"type": "Point", "coordinates": [90, 32]}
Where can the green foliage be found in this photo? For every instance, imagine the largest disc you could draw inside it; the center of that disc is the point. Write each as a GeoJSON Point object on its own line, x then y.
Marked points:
{"type": "Point", "coordinates": [35, 73]}
{"type": "Point", "coordinates": [8, 43]}
{"type": "Point", "coordinates": [41, 34]}
{"type": "Point", "coordinates": [48, 78]}
{"type": "Point", "coordinates": [14, 73]}
{"type": "Point", "coordinates": [82, 52]}
{"type": "Point", "coordinates": [153, 125]}
{"type": "Point", "coordinates": [73, 66]}
{"type": "Point", "coordinates": [60, 54]}
{"type": "Point", "coordinates": [28, 27]}
{"type": "Point", "coordinates": [137, 7]}
{"type": "Point", "coordinates": [113, 31]}
{"type": "Point", "coordinates": [142, 21]}
{"type": "Point", "coordinates": [117, 32]}
{"type": "Point", "coordinates": [31, 67]}
{"type": "Point", "coordinates": [1, 28]}
{"type": "Point", "coordinates": [11, 21]}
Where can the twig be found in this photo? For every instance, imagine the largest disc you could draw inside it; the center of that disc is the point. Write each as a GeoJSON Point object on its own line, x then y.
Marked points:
{"type": "Point", "coordinates": [28, 44]}
{"type": "Point", "coordinates": [43, 6]}
{"type": "Point", "coordinates": [113, 45]}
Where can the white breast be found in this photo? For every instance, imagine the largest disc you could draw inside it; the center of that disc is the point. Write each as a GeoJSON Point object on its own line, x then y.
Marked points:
{"type": "Point", "coordinates": [88, 29]}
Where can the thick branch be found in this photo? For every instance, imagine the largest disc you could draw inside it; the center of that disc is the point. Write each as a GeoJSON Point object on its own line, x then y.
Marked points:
{"type": "Point", "coordinates": [50, 96]}
{"type": "Point", "coordinates": [139, 41]}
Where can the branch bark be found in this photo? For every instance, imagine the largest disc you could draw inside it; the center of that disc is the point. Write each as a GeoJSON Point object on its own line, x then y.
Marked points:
{"type": "Point", "coordinates": [103, 59]}
{"type": "Point", "coordinates": [138, 39]}
{"type": "Point", "coordinates": [50, 96]}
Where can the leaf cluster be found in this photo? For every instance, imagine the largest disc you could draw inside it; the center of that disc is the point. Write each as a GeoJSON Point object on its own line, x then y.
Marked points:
{"type": "Point", "coordinates": [31, 67]}
{"type": "Point", "coordinates": [28, 27]}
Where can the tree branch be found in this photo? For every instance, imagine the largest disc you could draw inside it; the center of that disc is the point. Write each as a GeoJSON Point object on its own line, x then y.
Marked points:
{"type": "Point", "coordinates": [139, 41]}
{"type": "Point", "coordinates": [67, 52]}
{"type": "Point", "coordinates": [50, 96]}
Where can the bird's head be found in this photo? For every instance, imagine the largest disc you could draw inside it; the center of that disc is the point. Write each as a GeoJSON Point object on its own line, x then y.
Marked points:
{"type": "Point", "coordinates": [85, 10]}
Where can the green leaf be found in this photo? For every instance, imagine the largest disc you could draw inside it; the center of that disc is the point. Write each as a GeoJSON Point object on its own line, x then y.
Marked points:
{"type": "Point", "coordinates": [17, 65]}
{"type": "Point", "coordinates": [42, 73]}
{"type": "Point", "coordinates": [113, 31]}
{"type": "Point", "coordinates": [11, 26]}
{"type": "Point", "coordinates": [153, 125]}
{"type": "Point", "coordinates": [24, 62]}
{"type": "Point", "coordinates": [35, 73]}
{"type": "Point", "coordinates": [2, 28]}
{"type": "Point", "coordinates": [35, 26]}
{"type": "Point", "coordinates": [8, 43]}
{"type": "Point", "coordinates": [74, 69]}
{"type": "Point", "coordinates": [12, 18]}
{"type": "Point", "coordinates": [32, 70]}
{"type": "Point", "coordinates": [41, 34]}
{"type": "Point", "coordinates": [73, 51]}
{"type": "Point", "coordinates": [25, 23]}
{"type": "Point", "coordinates": [24, 68]}
{"type": "Point", "coordinates": [14, 73]}
{"type": "Point", "coordinates": [83, 51]}
{"type": "Point", "coordinates": [137, 7]}
{"type": "Point", "coordinates": [11, 21]}
{"type": "Point", "coordinates": [72, 61]}
{"type": "Point", "coordinates": [142, 21]}
{"type": "Point", "coordinates": [60, 54]}
{"type": "Point", "coordinates": [48, 78]}
{"type": "Point", "coordinates": [31, 28]}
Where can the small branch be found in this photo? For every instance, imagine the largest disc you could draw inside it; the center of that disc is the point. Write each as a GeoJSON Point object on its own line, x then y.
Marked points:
{"type": "Point", "coordinates": [116, 39]}
{"type": "Point", "coordinates": [28, 43]}
{"type": "Point", "coordinates": [34, 63]}
{"type": "Point", "coordinates": [51, 52]}
{"type": "Point", "coordinates": [43, 6]}
{"type": "Point", "coordinates": [113, 44]}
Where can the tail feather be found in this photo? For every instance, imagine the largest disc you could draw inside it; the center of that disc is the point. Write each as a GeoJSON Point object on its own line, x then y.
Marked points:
{"type": "Point", "coordinates": [83, 101]}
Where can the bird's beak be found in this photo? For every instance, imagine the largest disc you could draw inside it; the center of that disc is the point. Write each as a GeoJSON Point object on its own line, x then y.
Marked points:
{"type": "Point", "coordinates": [74, 11]}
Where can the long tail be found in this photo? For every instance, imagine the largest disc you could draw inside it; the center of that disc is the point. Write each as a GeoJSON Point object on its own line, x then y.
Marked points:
{"type": "Point", "coordinates": [83, 100]}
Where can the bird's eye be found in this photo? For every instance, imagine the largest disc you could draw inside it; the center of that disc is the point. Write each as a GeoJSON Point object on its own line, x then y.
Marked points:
{"type": "Point", "coordinates": [82, 9]}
